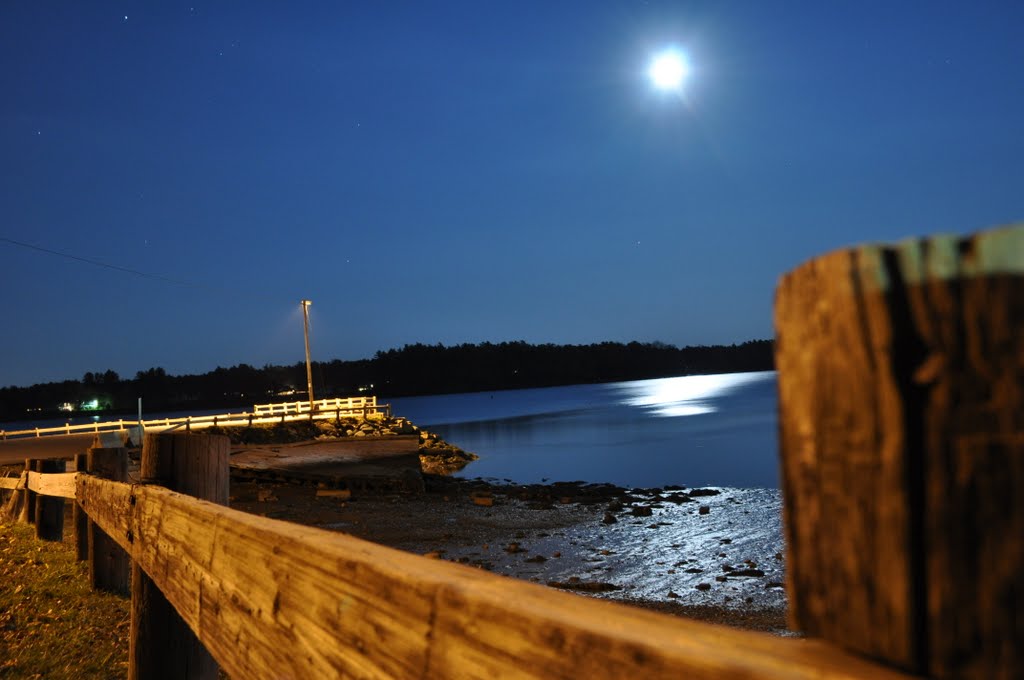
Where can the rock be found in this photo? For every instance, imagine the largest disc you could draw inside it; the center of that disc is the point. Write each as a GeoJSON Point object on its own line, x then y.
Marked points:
{"type": "Point", "coordinates": [615, 506]}
{"type": "Point", "coordinates": [704, 510]}
{"type": "Point", "coordinates": [574, 583]}
{"type": "Point", "coordinates": [485, 501]}
{"type": "Point", "coordinates": [513, 548]}
{"type": "Point", "coordinates": [653, 526]}
{"type": "Point", "coordinates": [703, 492]}
{"type": "Point", "coordinates": [672, 593]}
{"type": "Point", "coordinates": [721, 578]}
{"type": "Point", "coordinates": [536, 558]}
{"type": "Point", "coordinates": [694, 570]}
{"type": "Point", "coordinates": [727, 541]}
{"type": "Point", "coordinates": [703, 586]}
{"type": "Point", "coordinates": [747, 572]}
{"type": "Point", "coordinates": [642, 511]}
{"type": "Point", "coordinates": [609, 518]}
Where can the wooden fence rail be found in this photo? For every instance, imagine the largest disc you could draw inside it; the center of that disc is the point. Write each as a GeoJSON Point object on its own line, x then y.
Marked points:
{"type": "Point", "coordinates": [350, 404]}
{"type": "Point", "coordinates": [271, 599]}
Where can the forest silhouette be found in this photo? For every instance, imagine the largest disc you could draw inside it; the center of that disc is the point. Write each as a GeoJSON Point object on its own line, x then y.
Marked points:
{"type": "Point", "coordinates": [412, 370]}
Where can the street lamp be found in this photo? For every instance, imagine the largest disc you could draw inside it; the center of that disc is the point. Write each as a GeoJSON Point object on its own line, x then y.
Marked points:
{"type": "Point", "coordinates": [309, 367]}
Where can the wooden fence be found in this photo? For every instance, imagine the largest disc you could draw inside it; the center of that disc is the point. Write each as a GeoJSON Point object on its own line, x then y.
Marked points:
{"type": "Point", "coordinates": [901, 381]}
{"type": "Point", "coordinates": [271, 599]}
{"type": "Point", "coordinates": [346, 404]}
{"type": "Point", "coordinates": [261, 414]}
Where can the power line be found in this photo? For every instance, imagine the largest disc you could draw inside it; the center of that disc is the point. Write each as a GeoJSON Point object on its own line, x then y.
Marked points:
{"type": "Point", "coordinates": [97, 263]}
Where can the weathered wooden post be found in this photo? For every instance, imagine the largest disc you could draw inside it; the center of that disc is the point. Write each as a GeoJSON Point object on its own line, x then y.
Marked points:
{"type": "Point", "coordinates": [162, 645]}
{"type": "Point", "coordinates": [28, 507]}
{"type": "Point", "coordinates": [78, 516]}
{"type": "Point", "coordinates": [50, 509]}
{"type": "Point", "coordinates": [901, 394]}
{"type": "Point", "coordinates": [109, 564]}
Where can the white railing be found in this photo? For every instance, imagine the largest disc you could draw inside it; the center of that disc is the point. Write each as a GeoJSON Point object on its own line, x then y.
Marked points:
{"type": "Point", "coordinates": [349, 404]}
{"type": "Point", "coordinates": [262, 414]}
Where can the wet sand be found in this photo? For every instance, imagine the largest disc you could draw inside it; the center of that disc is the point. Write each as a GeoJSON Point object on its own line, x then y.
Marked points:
{"type": "Point", "coordinates": [712, 554]}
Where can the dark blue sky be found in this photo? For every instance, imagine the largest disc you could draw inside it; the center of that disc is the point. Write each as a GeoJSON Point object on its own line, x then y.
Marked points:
{"type": "Point", "coordinates": [467, 171]}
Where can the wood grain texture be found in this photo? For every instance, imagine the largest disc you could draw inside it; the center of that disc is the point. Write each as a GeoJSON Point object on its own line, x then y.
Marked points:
{"type": "Point", "coordinates": [12, 482]}
{"type": "Point", "coordinates": [109, 565]}
{"type": "Point", "coordinates": [12, 509]}
{"type": "Point", "coordinates": [80, 520]}
{"type": "Point", "coordinates": [901, 387]}
{"type": "Point", "coordinates": [28, 502]}
{"type": "Point", "coordinates": [271, 599]}
{"type": "Point", "coordinates": [54, 484]}
{"type": "Point", "coordinates": [162, 644]}
{"type": "Point", "coordinates": [50, 482]}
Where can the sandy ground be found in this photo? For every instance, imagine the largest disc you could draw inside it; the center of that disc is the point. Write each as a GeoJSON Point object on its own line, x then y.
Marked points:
{"type": "Point", "coordinates": [711, 554]}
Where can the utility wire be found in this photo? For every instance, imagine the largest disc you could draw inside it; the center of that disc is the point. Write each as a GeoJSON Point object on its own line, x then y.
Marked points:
{"type": "Point", "coordinates": [115, 267]}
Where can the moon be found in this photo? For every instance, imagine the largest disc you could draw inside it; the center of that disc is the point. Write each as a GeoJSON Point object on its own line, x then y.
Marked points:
{"type": "Point", "coordinates": [668, 70]}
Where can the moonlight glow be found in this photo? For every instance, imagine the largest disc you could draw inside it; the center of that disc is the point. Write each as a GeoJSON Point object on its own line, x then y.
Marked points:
{"type": "Point", "coordinates": [668, 70]}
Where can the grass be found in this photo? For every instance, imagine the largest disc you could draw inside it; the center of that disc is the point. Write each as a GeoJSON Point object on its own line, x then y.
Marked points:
{"type": "Point", "coordinates": [51, 624]}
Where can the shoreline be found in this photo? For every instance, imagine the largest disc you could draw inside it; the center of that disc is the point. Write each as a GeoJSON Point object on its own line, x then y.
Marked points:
{"type": "Point", "coordinates": [711, 554]}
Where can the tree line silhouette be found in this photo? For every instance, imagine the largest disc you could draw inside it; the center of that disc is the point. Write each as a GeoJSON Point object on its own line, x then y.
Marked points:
{"type": "Point", "coordinates": [412, 370]}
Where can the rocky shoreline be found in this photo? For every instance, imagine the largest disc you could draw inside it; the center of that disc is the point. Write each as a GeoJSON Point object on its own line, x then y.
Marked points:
{"type": "Point", "coordinates": [713, 554]}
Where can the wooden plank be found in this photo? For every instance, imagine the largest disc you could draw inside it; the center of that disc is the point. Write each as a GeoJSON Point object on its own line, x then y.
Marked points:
{"type": "Point", "coordinates": [274, 599]}
{"type": "Point", "coordinates": [12, 482]}
{"type": "Point", "coordinates": [161, 643]}
{"type": "Point", "coordinates": [901, 395]}
{"type": "Point", "coordinates": [57, 484]}
{"type": "Point", "coordinates": [79, 519]}
{"type": "Point", "coordinates": [109, 566]}
{"type": "Point", "coordinates": [50, 509]}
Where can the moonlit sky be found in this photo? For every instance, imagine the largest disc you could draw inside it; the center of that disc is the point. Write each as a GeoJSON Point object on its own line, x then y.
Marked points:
{"type": "Point", "coordinates": [468, 171]}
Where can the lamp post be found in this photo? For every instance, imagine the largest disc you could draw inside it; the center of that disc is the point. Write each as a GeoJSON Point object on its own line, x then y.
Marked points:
{"type": "Point", "coordinates": [309, 366]}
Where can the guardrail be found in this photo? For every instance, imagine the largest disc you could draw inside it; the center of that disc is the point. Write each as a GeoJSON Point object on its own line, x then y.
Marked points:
{"type": "Point", "coordinates": [332, 408]}
{"type": "Point", "coordinates": [350, 404]}
{"type": "Point", "coordinates": [271, 599]}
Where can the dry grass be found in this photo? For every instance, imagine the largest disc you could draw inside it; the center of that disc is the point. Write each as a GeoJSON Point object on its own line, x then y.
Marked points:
{"type": "Point", "coordinates": [51, 624]}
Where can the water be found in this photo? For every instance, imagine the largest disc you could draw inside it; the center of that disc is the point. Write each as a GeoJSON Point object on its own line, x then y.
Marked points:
{"type": "Point", "coordinates": [707, 430]}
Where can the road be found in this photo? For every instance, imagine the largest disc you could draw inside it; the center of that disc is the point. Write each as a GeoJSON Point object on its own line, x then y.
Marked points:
{"type": "Point", "coordinates": [65, 446]}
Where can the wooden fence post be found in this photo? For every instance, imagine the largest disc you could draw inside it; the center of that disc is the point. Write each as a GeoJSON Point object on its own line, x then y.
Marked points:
{"type": "Point", "coordinates": [162, 645]}
{"type": "Point", "coordinates": [79, 518]}
{"type": "Point", "coordinates": [28, 507]}
{"type": "Point", "coordinates": [901, 397]}
{"type": "Point", "coordinates": [50, 510]}
{"type": "Point", "coordinates": [109, 564]}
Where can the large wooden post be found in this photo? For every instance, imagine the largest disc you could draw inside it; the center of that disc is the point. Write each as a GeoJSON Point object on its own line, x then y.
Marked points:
{"type": "Point", "coordinates": [80, 520]}
{"type": "Point", "coordinates": [901, 395]}
{"type": "Point", "coordinates": [28, 507]}
{"type": "Point", "coordinates": [109, 564]}
{"type": "Point", "coordinates": [162, 645]}
{"type": "Point", "coordinates": [50, 509]}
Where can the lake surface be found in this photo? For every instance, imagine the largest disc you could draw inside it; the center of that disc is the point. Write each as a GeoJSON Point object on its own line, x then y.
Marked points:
{"type": "Point", "coordinates": [701, 430]}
